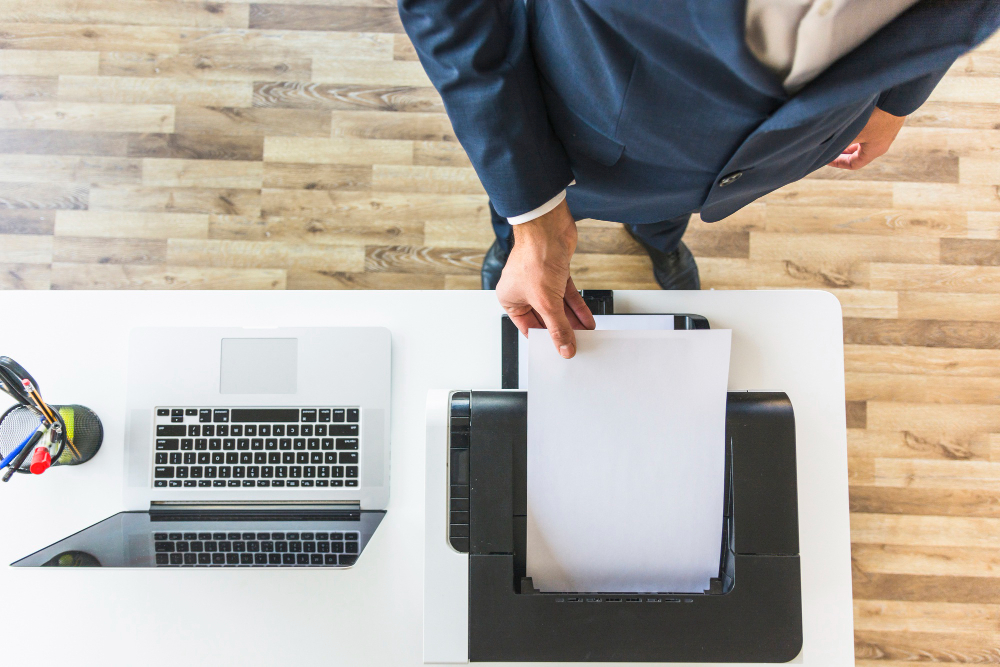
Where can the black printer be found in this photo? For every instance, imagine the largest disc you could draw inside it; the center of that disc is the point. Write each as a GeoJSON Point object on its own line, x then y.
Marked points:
{"type": "Point", "coordinates": [752, 611]}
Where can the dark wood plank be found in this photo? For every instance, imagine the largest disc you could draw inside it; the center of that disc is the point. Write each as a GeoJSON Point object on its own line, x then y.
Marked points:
{"type": "Point", "coordinates": [22, 221]}
{"type": "Point", "coordinates": [316, 230]}
{"type": "Point", "coordinates": [924, 502]}
{"type": "Point", "coordinates": [108, 251]}
{"type": "Point", "coordinates": [235, 121]}
{"type": "Point", "coordinates": [984, 252]}
{"type": "Point", "coordinates": [924, 647]}
{"type": "Point", "coordinates": [196, 146]}
{"type": "Point", "coordinates": [917, 588]}
{"type": "Point", "coordinates": [414, 259]}
{"type": "Point", "coordinates": [927, 333]}
{"type": "Point", "coordinates": [43, 195]}
{"type": "Point", "coordinates": [345, 97]}
{"type": "Point", "coordinates": [857, 414]}
{"type": "Point", "coordinates": [319, 17]}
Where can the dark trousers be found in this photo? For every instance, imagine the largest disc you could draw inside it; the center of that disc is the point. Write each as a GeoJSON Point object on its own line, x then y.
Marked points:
{"type": "Point", "coordinates": [664, 235]}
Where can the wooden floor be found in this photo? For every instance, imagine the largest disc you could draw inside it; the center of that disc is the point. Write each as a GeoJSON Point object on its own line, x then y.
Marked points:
{"type": "Point", "coordinates": [168, 144]}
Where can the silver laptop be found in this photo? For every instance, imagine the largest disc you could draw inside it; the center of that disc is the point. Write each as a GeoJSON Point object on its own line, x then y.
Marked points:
{"type": "Point", "coordinates": [247, 448]}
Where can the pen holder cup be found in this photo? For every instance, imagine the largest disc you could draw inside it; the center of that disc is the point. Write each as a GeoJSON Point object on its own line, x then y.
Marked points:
{"type": "Point", "coordinates": [84, 432]}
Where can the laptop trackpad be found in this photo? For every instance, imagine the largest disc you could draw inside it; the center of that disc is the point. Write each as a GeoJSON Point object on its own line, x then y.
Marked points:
{"type": "Point", "coordinates": [259, 366]}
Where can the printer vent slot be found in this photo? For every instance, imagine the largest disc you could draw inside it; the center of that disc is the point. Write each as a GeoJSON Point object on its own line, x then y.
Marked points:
{"type": "Point", "coordinates": [459, 415]}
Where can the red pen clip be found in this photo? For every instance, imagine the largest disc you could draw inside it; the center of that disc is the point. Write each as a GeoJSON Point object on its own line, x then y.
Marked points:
{"type": "Point", "coordinates": [41, 460]}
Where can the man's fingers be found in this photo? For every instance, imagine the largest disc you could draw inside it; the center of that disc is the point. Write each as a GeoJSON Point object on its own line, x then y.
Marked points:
{"type": "Point", "coordinates": [845, 160]}
{"type": "Point", "coordinates": [526, 321]}
{"type": "Point", "coordinates": [579, 307]}
{"type": "Point", "coordinates": [555, 320]}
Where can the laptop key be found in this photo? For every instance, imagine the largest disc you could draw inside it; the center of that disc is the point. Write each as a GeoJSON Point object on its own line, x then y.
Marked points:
{"type": "Point", "coordinates": [321, 430]}
{"type": "Point", "coordinates": [233, 482]}
{"type": "Point", "coordinates": [288, 559]}
{"type": "Point", "coordinates": [347, 443]}
{"type": "Point", "coordinates": [348, 560]}
{"type": "Point", "coordinates": [322, 482]}
{"type": "Point", "coordinates": [160, 482]}
{"type": "Point", "coordinates": [161, 472]}
{"type": "Point", "coordinates": [232, 559]}
{"type": "Point", "coordinates": [353, 415]}
{"type": "Point", "coordinates": [260, 559]}
{"type": "Point", "coordinates": [343, 429]}
{"type": "Point", "coordinates": [274, 559]}
{"type": "Point", "coordinates": [218, 559]}
{"type": "Point", "coordinates": [167, 444]}
{"type": "Point", "coordinates": [277, 482]}
{"type": "Point", "coordinates": [348, 457]}
{"type": "Point", "coordinates": [162, 559]}
{"type": "Point", "coordinates": [339, 415]}
{"type": "Point", "coordinates": [330, 559]}
{"type": "Point", "coordinates": [218, 482]}
{"type": "Point", "coordinates": [292, 482]}
{"type": "Point", "coordinates": [351, 482]}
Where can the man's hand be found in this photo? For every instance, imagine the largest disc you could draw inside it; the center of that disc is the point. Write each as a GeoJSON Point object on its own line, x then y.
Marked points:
{"type": "Point", "coordinates": [535, 288]}
{"type": "Point", "coordinates": [874, 140]}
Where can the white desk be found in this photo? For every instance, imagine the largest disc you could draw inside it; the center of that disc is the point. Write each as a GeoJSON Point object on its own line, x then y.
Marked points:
{"type": "Point", "coordinates": [371, 613]}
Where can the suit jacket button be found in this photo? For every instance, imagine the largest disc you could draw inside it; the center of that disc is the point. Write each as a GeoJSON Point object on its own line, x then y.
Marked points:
{"type": "Point", "coordinates": [730, 178]}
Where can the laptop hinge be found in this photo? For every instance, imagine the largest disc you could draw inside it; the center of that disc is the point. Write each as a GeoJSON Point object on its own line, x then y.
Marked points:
{"type": "Point", "coordinates": [256, 505]}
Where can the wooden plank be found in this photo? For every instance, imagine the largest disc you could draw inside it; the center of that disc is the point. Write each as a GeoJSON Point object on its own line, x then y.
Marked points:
{"type": "Point", "coordinates": [367, 72]}
{"type": "Point", "coordinates": [24, 276]}
{"type": "Point", "coordinates": [226, 201]}
{"type": "Point", "coordinates": [202, 173]}
{"type": "Point", "coordinates": [856, 417]}
{"type": "Point", "coordinates": [979, 171]}
{"type": "Point", "coordinates": [308, 150]}
{"type": "Point", "coordinates": [121, 276]}
{"type": "Point", "coordinates": [466, 282]}
{"type": "Point", "coordinates": [984, 252]}
{"type": "Point", "coordinates": [898, 616]}
{"type": "Point", "coordinates": [148, 90]}
{"type": "Point", "coordinates": [345, 97]}
{"type": "Point", "coordinates": [955, 115]}
{"type": "Point", "coordinates": [130, 225]}
{"type": "Point", "coordinates": [239, 66]}
{"type": "Point", "coordinates": [345, 207]}
{"type": "Point", "coordinates": [69, 37]}
{"type": "Point", "coordinates": [25, 221]}
{"type": "Point", "coordinates": [848, 220]}
{"type": "Point", "coordinates": [16, 168]}
{"type": "Point", "coordinates": [930, 361]}
{"type": "Point", "coordinates": [941, 502]}
{"type": "Point", "coordinates": [28, 88]}
{"type": "Point", "coordinates": [931, 531]}
{"type": "Point", "coordinates": [833, 193]}
{"type": "Point", "coordinates": [945, 306]}
{"type": "Point", "coordinates": [922, 560]}
{"type": "Point", "coordinates": [860, 470]}
{"type": "Point", "coordinates": [108, 250]}
{"type": "Point", "coordinates": [409, 178]}
{"type": "Point", "coordinates": [843, 248]}
{"type": "Point", "coordinates": [196, 147]}
{"type": "Point", "coordinates": [235, 121]}
{"type": "Point", "coordinates": [965, 89]}
{"type": "Point", "coordinates": [977, 63]}
{"type": "Point", "coordinates": [316, 231]}
{"type": "Point", "coordinates": [728, 273]}
{"type": "Point", "coordinates": [284, 44]}
{"type": "Point", "coordinates": [460, 233]}
{"type": "Point", "coordinates": [422, 259]}
{"type": "Point", "coordinates": [973, 475]}
{"type": "Point", "coordinates": [43, 195]}
{"type": "Point", "coordinates": [128, 12]}
{"type": "Point", "coordinates": [945, 196]}
{"type": "Point", "coordinates": [960, 142]}
{"type": "Point", "coordinates": [597, 271]}
{"type": "Point", "coordinates": [55, 142]}
{"type": "Point", "coordinates": [920, 418]}
{"type": "Point", "coordinates": [297, 176]}
{"type": "Point", "coordinates": [866, 303]}
{"type": "Point", "coordinates": [301, 279]}
{"type": "Point", "coordinates": [941, 278]}
{"type": "Point", "coordinates": [928, 646]}
{"type": "Point", "coordinates": [47, 63]}
{"type": "Point", "coordinates": [915, 388]}
{"type": "Point", "coordinates": [928, 333]}
{"type": "Point", "coordinates": [82, 117]}
{"type": "Point", "coordinates": [253, 254]}
{"type": "Point", "coordinates": [866, 442]}
{"type": "Point", "coordinates": [326, 18]}
{"type": "Point", "coordinates": [983, 225]}
{"type": "Point", "coordinates": [403, 48]}
{"type": "Point", "coordinates": [440, 154]}
{"type": "Point", "coordinates": [935, 166]}
{"type": "Point", "coordinates": [412, 126]}
{"type": "Point", "coordinates": [975, 590]}
{"type": "Point", "coordinates": [25, 249]}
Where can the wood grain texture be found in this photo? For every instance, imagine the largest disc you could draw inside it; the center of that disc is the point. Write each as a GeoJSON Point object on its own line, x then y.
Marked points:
{"type": "Point", "coordinates": [298, 144]}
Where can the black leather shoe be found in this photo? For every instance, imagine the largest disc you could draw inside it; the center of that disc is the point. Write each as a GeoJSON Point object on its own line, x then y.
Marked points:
{"type": "Point", "coordinates": [672, 270]}
{"type": "Point", "coordinates": [493, 263]}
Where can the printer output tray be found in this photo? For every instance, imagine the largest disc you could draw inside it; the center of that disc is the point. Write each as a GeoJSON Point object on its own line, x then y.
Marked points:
{"type": "Point", "coordinates": [753, 615]}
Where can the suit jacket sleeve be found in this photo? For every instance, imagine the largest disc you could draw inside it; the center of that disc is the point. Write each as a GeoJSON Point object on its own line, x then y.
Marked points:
{"type": "Point", "coordinates": [904, 99]}
{"type": "Point", "coordinates": [476, 52]}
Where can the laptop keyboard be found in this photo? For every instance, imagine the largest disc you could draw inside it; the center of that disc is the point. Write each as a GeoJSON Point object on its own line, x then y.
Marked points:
{"type": "Point", "coordinates": [239, 447]}
{"type": "Point", "coordinates": [256, 549]}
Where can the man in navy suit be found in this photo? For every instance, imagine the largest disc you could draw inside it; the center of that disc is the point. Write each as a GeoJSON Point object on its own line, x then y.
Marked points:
{"type": "Point", "coordinates": [646, 111]}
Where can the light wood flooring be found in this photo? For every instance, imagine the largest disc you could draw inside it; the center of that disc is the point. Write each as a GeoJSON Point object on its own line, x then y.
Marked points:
{"type": "Point", "coordinates": [169, 144]}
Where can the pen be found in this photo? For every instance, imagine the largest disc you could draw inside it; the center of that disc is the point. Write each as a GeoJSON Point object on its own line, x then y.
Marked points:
{"type": "Point", "coordinates": [17, 450]}
{"type": "Point", "coordinates": [25, 450]}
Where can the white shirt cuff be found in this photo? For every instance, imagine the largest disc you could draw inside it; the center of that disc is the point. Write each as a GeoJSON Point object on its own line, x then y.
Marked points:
{"type": "Point", "coordinates": [541, 210]}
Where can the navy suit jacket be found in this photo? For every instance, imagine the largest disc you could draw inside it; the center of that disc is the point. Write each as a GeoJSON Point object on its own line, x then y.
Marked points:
{"type": "Point", "coordinates": [650, 104]}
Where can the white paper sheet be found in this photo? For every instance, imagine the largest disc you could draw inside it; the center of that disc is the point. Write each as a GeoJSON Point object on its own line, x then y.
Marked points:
{"type": "Point", "coordinates": [626, 461]}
